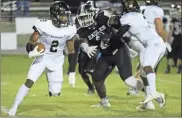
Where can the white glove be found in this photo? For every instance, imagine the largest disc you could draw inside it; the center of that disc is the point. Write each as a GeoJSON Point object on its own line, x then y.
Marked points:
{"type": "Point", "coordinates": [35, 53]}
{"type": "Point", "coordinates": [168, 46]}
{"type": "Point", "coordinates": [72, 79]}
{"type": "Point", "coordinates": [91, 51]}
{"type": "Point", "coordinates": [133, 53]}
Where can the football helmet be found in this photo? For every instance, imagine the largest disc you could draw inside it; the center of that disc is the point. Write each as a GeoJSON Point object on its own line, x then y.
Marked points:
{"type": "Point", "coordinates": [130, 6]}
{"type": "Point", "coordinates": [60, 14]}
{"type": "Point", "coordinates": [85, 14]}
{"type": "Point", "coordinates": [175, 11]}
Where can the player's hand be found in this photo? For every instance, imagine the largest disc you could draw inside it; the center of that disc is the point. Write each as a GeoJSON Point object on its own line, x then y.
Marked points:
{"type": "Point", "coordinates": [168, 46]}
{"type": "Point", "coordinates": [91, 50]}
{"type": "Point", "coordinates": [133, 53]}
{"type": "Point", "coordinates": [35, 53]}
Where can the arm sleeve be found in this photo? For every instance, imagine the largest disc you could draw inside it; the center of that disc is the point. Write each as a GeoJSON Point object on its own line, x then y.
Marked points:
{"type": "Point", "coordinates": [37, 27]}
{"type": "Point", "coordinates": [103, 17]}
{"type": "Point", "coordinates": [121, 31]}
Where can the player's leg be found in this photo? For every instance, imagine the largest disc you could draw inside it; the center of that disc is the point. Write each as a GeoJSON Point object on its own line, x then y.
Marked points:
{"type": "Point", "coordinates": [152, 55]}
{"type": "Point", "coordinates": [102, 70]}
{"type": "Point", "coordinates": [55, 80]}
{"type": "Point", "coordinates": [123, 63]}
{"type": "Point", "coordinates": [179, 55]}
{"type": "Point", "coordinates": [83, 61]}
{"type": "Point", "coordinates": [72, 67]}
{"type": "Point", "coordinates": [168, 58]}
{"type": "Point", "coordinates": [36, 69]}
{"type": "Point", "coordinates": [92, 62]}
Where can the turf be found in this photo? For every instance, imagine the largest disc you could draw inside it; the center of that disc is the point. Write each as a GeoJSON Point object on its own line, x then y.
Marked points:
{"type": "Point", "coordinates": [74, 101]}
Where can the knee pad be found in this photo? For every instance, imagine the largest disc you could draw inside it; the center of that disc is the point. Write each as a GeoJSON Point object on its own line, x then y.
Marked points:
{"type": "Point", "coordinates": [54, 94]}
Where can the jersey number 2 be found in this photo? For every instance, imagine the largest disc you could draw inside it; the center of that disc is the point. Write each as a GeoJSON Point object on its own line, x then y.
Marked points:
{"type": "Point", "coordinates": [54, 46]}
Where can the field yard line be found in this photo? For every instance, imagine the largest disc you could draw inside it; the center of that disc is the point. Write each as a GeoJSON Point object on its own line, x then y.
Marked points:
{"type": "Point", "coordinates": [4, 109]}
{"type": "Point", "coordinates": [167, 81]}
{"type": "Point", "coordinates": [4, 83]}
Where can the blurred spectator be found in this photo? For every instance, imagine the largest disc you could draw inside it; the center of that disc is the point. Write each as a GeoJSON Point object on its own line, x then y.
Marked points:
{"type": "Point", "coordinates": [25, 4]}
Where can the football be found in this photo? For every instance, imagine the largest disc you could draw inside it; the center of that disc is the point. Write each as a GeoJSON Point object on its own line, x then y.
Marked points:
{"type": "Point", "coordinates": [40, 46]}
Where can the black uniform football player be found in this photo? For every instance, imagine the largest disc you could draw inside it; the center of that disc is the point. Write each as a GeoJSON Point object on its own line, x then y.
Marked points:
{"type": "Point", "coordinates": [177, 35]}
{"type": "Point", "coordinates": [86, 63]}
{"type": "Point", "coordinates": [97, 32]}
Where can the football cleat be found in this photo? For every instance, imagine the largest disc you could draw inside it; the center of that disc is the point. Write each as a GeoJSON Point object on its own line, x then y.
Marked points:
{"type": "Point", "coordinates": [132, 91]}
{"type": "Point", "coordinates": [151, 97]}
{"type": "Point", "coordinates": [12, 111]}
{"type": "Point", "coordinates": [91, 91]}
{"type": "Point", "coordinates": [148, 106]}
{"type": "Point", "coordinates": [161, 100]}
{"type": "Point", "coordinates": [103, 103]}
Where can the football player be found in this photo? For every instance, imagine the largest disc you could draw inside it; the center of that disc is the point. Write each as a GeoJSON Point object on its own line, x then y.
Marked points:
{"type": "Point", "coordinates": [154, 14]}
{"type": "Point", "coordinates": [96, 32]}
{"type": "Point", "coordinates": [154, 50]}
{"type": "Point", "coordinates": [54, 34]}
{"type": "Point", "coordinates": [177, 35]}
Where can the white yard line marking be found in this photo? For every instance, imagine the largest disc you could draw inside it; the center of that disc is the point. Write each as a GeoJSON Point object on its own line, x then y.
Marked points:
{"type": "Point", "coordinates": [168, 81]}
{"type": "Point", "coordinates": [4, 83]}
{"type": "Point", "coordinates": [4, 109]}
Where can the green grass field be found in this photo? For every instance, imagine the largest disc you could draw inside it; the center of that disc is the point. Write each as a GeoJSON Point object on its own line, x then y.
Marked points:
{"type": "Point", "coordinates": [74, 101]}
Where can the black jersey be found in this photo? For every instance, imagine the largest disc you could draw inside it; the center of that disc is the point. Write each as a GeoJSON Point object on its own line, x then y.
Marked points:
{"type": "Point", "coordinates": [99, 34]}
{"type": "Point", "coordinates": [177, 34]}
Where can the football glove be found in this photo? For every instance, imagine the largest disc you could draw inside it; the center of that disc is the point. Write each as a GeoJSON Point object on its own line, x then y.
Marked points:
{"type": "Point", "coordinates": [91, 50]}
{"type": "Point", "coordinates": [35, 53]}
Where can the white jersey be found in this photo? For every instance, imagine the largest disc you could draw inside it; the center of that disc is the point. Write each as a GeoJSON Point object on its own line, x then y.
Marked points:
{"type": "Point", "coordinates": [151, 13]}
{"type": "Point", "coordinates": [139, 28]}
{"type": "Point", "coordinates": [54, 40]}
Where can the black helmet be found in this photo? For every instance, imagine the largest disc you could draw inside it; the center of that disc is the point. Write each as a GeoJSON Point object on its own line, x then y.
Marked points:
{"type": "Point", "coordinates": [130, 6]}
{"type": "Point", "coordinates": [60, 14]}
{"type": "Point", "coordinates": [153, 2]}
{"type": "Point", "coordinates": [85, 14]}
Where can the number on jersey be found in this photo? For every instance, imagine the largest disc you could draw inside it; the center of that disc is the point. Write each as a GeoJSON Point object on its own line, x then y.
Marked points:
{"type": "Point", "coordinates": [54, 46]}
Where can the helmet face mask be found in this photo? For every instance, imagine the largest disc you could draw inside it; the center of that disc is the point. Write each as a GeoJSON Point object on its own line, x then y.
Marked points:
{"type": "Point", "coordinates": [85, 14]}
{"type": "Point", "coordinates": [60, 14]}
{"type": "Point", "coordinates": [86, 19]}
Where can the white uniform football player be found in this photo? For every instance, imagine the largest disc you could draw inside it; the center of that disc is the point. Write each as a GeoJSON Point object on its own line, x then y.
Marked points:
{"type": "Point", "coordinates": [154, 45]}
{"type": "Point", "coordinates": [154, 14]}
{"type": "Point", "coordinates": [54, 34]}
